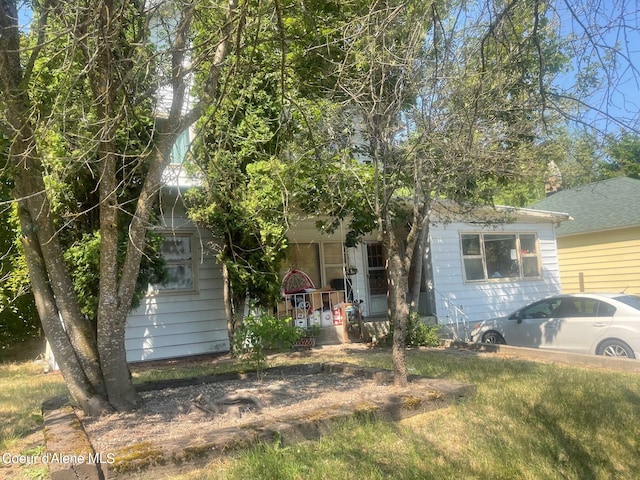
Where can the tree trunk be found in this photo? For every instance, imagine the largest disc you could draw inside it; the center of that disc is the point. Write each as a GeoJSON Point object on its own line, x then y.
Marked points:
{"type": "Point", "coordinates": [233, 305]}
{"type": "Point", "coordinates": [419, 255]}
{"type": "Point", "coordinates": [398, 307]}
{"type": "Point", "coordinates": [70, 335]}
{"type": "Point", "coordinates": [111, 321]}
{"type": "Point", "coordinates": [80, 388]}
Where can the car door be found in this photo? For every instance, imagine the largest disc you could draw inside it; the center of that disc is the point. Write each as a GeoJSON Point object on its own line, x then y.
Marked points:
{"type": "Point", "coordinates": [530, 326]}
{"type": "Point", "coordinates": [580, 323]}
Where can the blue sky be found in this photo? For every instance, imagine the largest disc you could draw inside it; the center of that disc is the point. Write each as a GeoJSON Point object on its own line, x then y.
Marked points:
{"type": "Point", "coordinates": [24, 15]}
{"type": "Point", "coordinates": [616, 23]}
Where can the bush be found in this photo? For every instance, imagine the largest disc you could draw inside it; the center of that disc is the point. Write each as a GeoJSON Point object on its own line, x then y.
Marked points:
{"type": "Point", "coordinates": [419, 334]}
{"type": "Point", "coordinates": [19, 320]}
{"type": "Point", "coordinates": [262, 333]}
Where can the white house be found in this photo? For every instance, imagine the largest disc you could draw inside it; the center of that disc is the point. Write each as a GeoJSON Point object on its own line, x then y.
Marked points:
{"type": "Point", "coordinates": [477, 268]}
{"type": "Point", "coordinates": [480, 266]}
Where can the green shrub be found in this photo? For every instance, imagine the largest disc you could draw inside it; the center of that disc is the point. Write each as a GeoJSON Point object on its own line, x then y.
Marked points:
{"type": "Point", "coordinates": [262, 333]}
{"type": "Point", "coordinates": [419, 334]}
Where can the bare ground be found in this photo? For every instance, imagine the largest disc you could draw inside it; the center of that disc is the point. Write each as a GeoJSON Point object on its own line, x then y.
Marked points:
{"type": "Point", "coordinates": [170, 415]}
{"type": "Point", "coordinates": [294, 402]}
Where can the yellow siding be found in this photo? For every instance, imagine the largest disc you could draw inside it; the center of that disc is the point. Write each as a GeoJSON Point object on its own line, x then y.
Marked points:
{"type": "Point", "coordinates": [608, 261]}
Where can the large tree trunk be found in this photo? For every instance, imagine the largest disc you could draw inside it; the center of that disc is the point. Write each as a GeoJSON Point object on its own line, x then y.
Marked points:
{"type": "Point", "coordinates": [419, 255]}
{"type": "Point", "coordinates": [397, 304]}
{"type": "Point", "coordinates": [111, 322]}
{"type": "Point", "coordinates": [82, 390]}
{"type": "Point", "coordinates": [69, 334]}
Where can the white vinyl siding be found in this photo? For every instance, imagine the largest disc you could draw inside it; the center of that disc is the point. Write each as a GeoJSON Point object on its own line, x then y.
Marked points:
{"type": "Point", "coordinates": [184, 322]}
{"type": "Point", "coordinates": [456, 297]}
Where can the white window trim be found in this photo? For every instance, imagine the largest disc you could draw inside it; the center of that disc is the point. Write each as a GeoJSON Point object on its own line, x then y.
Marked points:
{"type": "Point", "coordinates": [519, 257]}
{"type": "Point", "coordinates": [159, 290]}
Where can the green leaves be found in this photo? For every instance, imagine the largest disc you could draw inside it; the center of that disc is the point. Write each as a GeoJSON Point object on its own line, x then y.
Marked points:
{"type": "Point", "coordinates": [625, 153]}
{"type": "Point", "coordinates": [261, 333]}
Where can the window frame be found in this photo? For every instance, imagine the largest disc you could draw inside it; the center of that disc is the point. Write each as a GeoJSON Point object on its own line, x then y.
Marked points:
{"type": "Point", "coordinates": [521, 263]}
{"type": "Point", "coordinates": [162, 289]}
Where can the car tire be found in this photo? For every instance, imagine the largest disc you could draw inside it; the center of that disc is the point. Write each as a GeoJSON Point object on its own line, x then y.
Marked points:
{"type": "Point", "coordinates": [615, 348]}
{"type": "Point", "coordinates": [493, 338]}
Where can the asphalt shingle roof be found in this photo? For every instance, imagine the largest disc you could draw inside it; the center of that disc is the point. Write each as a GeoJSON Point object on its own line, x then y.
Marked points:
{"type": "Point", "coordinates": [605, 205]}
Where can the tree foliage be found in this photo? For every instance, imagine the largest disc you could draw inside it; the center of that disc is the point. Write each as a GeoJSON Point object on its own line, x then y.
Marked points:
{"type": "Point", "coordinates": [93, 99]}
{"type": "Point", "coordinates": [449, 100]}
{"type": "Point", "coordinates": [253, 145]}
{"type": "Point", "coordinates": [624, 153]}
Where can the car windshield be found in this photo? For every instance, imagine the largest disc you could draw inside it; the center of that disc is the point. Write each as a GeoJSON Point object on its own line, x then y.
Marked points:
{"type": "Point", "coordinates": [631, 300]}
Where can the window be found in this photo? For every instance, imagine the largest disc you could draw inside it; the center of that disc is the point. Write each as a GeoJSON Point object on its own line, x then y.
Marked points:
{"type": "Point", "coordinates": [500, 256]}
{"type": "Point", "coordinates": [177, 253]}
{"type": "Point", "coordinates": [333, 257]}
{"type": "Point", "coordinates": [305, 257]}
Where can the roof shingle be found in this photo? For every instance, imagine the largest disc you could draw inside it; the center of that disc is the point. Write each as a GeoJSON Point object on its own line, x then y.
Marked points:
{"type": "Point", "coordinates": [606, 205]}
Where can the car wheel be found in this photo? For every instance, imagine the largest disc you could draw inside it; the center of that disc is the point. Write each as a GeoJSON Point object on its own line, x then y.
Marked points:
{"type": "Point", "coordinates": [493, 337]}
{"type": "Point", "coordinates": [615, 348]}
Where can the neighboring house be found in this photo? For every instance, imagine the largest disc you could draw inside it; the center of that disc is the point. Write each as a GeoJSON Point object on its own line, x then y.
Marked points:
{"type": "Point", "coordinates": [599, 251]}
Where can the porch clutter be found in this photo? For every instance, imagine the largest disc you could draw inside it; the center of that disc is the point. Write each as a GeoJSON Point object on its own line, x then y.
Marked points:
{"type": "Point", "coordinates": [323, 310]}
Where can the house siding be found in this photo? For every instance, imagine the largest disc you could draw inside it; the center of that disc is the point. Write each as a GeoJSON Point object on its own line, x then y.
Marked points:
{"type": "Point", "coordinates": [460, 301]}
{"type": "Point", "coordinates": [457, 300]}
{"type": "Point", "coordinates": [167, 325]}
{"type": "Point", "coordinates": [608, 261]}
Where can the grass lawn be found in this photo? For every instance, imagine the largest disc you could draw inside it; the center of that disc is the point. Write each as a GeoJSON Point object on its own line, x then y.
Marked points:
{"type": "Point", "coordinates": [528, 421]}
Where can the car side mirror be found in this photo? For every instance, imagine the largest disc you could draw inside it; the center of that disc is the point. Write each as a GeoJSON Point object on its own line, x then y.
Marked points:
{"type": "Point", "coordinates": [517, 317]}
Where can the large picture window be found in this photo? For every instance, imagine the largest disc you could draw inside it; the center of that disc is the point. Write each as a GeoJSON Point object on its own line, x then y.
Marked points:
{"type": "Point", "coordinates": [177, 252]}
{"type": "Point", "coordinates": [500, 256]}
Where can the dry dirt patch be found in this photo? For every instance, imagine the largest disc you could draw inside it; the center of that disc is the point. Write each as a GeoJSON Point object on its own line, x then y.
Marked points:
{"type": "Point", "coordinates": [291, 403]}
{"type": "Point", "coordinates": [170, 414]}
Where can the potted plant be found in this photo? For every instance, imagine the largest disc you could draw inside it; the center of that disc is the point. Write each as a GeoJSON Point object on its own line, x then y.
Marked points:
{"type": "Point", "coordinates": [307, 337]}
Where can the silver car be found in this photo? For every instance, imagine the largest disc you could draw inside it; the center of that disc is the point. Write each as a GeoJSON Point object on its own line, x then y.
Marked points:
{"type": "Point", "coordinates": [601, 324]}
